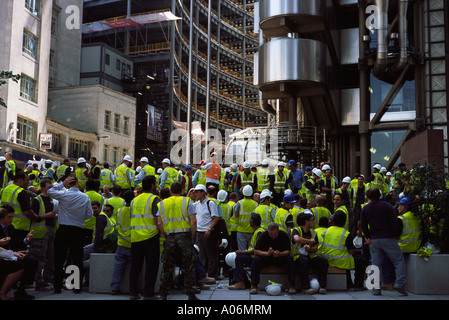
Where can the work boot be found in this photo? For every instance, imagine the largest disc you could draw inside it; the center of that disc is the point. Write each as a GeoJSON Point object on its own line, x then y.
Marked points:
{"type": "Point", "coordinates": [237, 286]}
{"type": "Point", "coordinates": [310, 291]}
{"type": "Point", "coordinates": [401, 291]}
{"type": "Point", "coordinates": [207, 280]}
{"type": "Point", "coordinates": [254, 289]}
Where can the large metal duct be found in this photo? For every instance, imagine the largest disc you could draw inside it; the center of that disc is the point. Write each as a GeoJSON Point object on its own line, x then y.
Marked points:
{"type": "Point", "coordinates": [382, 39]}
{"type": "Point", "coordinates": [403, 7]}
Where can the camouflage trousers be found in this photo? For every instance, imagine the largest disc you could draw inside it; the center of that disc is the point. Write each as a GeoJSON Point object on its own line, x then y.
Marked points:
{"type": "Point", "coordinates": [178, 249]}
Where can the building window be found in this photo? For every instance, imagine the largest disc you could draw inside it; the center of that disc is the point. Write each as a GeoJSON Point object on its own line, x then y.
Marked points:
{"type": "Point", "coordinates": [54, 26]}
{"type": "Point", "coordinates": [115, 156]}
{"type": "Point", "coordinates": [33, 6]}
{"type": "Point", "coordinates": [126, 125]}
{"type": "Point", "coordinates": [116, 122]}
{"type": "Point", "coordinates": [107, 59]}
{"type": "Point", "coordinates": [56, 142]}
{"type": "Point", "coordinates": [26, 132]}
{"type": "Point", "coordinates": [28, 88]}
{"type": "Point", "coordinates": [118, 64]}
{"type": "Point", "coordinates": [107, 120]}
{"type": "Point", "coordinates": [106, 149]}
{"type": "Point", "coordinates": [30, 44]}
{"type": "Point", "coordinates": [79, 148]}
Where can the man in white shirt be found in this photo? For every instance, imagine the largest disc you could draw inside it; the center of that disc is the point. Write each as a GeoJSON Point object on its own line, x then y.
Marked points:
{"type": "Point", "coordinates": [74, 209]}
{"type": "Point", "coordinates": [207, 217]}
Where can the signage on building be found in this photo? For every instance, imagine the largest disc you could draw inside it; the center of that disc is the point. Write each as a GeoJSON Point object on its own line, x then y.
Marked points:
{"type": "Point", "coordinates": [155, 123]}
{"type": "Point", "coordinates": [46, 140]}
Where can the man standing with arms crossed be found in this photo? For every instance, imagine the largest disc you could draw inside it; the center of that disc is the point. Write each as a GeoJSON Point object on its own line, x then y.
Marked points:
{"type": "Point", "coordinates": [74, 209]}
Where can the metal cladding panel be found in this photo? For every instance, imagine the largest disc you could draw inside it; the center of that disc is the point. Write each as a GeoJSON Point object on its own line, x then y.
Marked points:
{"type": "Point", "coordinates": [273, 8]}
{"type": "Point", "coordinates": [292, 59]}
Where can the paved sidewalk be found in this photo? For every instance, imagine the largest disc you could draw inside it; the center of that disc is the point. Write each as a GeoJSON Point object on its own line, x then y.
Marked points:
{"type": "Point", "coordinates": [220, 292]}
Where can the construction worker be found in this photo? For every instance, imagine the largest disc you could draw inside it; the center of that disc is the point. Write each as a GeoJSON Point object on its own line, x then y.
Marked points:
{"type": "Point", "coordinates": [89, 224]}
{"type": "Point", "coordinates": [116, 200]}
{"type": "Point", "coordinates": [63, 170]}
{"type": "Point", "coordinates": [264, 209]}
{"type": "Point", "coordinates": [283, 216]}
{"type": "Point", "coordinates": [263, 181]}
{"type": "Point", "coordinates": [329, 186]}
{"type": "Point", "coordinates": [320, 210]}
{"type": "Point", "coordinates": [410, 239]}
{"type": "Point", "coordinates": [10, 163]}
{"type": "Point", "coordinates": [295, 177]}
{"type": "Point", "coordinates": [242, 211]}
{"type": "Point", "coordinates": [376, 179]}
{"type": "Point", "coordinates": [49, 172]}
{"type": "Point", "coordinates": [33, 175]}
{"type": "Point", "coordinates": [313, 185]}
{"type": "Point", "coordinates": [16, 196]}
{"type": "Point", "coordinates": [6, 174]}
{"type": "Point", "coordinates": [123, 252]}
{"type": "Point", "coordinates": [145, 170]}
{"type": "Point", "coordinates": [339, 203]}
{"type": "Point", "coordinates": [176, 220]}
{"type": "Point", "coordinates": [213, 171]}
{"type": "Point", "coordinates": [233, 221]}
{"type": "Point", "coordinates": [246, 178]}
{"type": "Point", "coordinates": [95, 170]}
{"type": "Point", "coordinates": [82, 173]}
{"type": "Point", "coordinates": [123, 174]}
{"type": "Point", "coordinates": [187, 180]}
{"type": "Point", "coordinates": [345, 191]}
{"type": "Point", "coordinates": [278, 183]}
{"type": "Point", "coordinates": [107, 177]}
{"type": "Point", "coordinates": [358, 194]}
{"type": "Point", "coordinates": [169, 174]}
{"type": "Point", "coordinates": [145, 246]}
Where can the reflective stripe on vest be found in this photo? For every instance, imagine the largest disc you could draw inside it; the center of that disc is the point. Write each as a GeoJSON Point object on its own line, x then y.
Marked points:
{"type": "Point", "coordinates": [265, 213]}
{"type": "Point", "coordinates": [39, 227]}
{"type": "Point", "coordinates": [253, 242]}
{"type": "Point", "coordinates": [262, 179]}
{"type": "Point", "coordinates": [124, 227]}
{"type": "Point", "coordinates": [247, 206]}
{"type": "Point", "coordinates": [9, 196]}
{"type": "Point", "coordinates": [201, 177]}
{"type": "Point", "coordinates": [345, 210]}
{"type": "Point", "coordinates": [174, 214]}
{"type": "Point", "coordinates": [105, 178]}
{"type": "Point", "coordinates": [61, 170]}
{"type": "Point", "coordinates": [279, 183]}
{"type": "Point", "coordinates": [334, 248]}
{"type": "Point", "coordinates": [246, 179]}
{"type": "Point", "coordinates": [172, 176]}
{"type": "Point", "coordinates": [410, 239]}
{"type": "Point", "coordinates": [281, 217]}
{"type": "Point", "coordinates": [214, 172]}
{"type": "Point", "coordinates": [108, 229]}
{"type": "Point", "coordinates": [82, 178]}
{"type": "Point", "coordinates": [310, 195]}
{"type": "Point", "coordinates": [233, 221]}
{"type": "Point", "coordinates": [143, 224]}
{"type": "Point", "coordinates": [296, 246]}
{"type": "Point", "coordinates": [121, 176]}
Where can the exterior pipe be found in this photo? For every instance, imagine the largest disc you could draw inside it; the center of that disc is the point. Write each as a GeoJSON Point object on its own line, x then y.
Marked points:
{"type": "Point", "coordinates": [382, 42]}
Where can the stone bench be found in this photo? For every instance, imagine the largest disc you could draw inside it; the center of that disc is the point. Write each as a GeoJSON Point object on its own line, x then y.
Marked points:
{"type": "Point", "coordinates": [101, 271]}
{"type": "Point", "coordinates": [336, 278]}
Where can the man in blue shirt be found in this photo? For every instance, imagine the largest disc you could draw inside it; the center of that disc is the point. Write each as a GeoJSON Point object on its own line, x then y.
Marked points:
{"type": "Point", "coordinates": [296, 177]}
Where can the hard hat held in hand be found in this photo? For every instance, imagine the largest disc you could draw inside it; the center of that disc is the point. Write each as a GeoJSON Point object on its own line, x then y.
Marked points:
{"type": "Point", "coordinates": [230, 259]}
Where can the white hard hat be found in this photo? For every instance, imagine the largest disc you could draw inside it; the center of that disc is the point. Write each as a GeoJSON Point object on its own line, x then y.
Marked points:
{"type": "Point", "coordinates": [246, 165]}
{"type": "Point", "coordinates": [159, 171]}
{"type": "Point", "coordinates": [2, 158]}
{"type": "Point", "coordinates": [223, 244]}
{"type": "Point", "coordinates": [138, 169]}
{"type": "Point", "coordinates": [48, 161]}
{"type": "Point", "coordinates": [377, 166]}
{"type": "Point", "coordinates": [81, 160]}
{"type": "Point", "coordinates": [127, 158]}
{"type": "Point", "coordinates": [317, 172]}
{"type": "Point", "coordinates": [358, 242]}
{"type": "Point", "coordinates": [201, 187]}
{"type": "Point", "coordinates": [326, 167]}
{"type": "Point", "coordinates": [274, 289]}
{"type": "Point", "coordinates": [388, 173]}
{"type": "Point", "coordinates": [221, 195]}
{"type": "Point", "coordinates": [227, 170]}
{"type": "Point", "coordinates": [247, 191]}
{"type": "Point", "coordinates": [265, 162]}
{"type": "Point", "coordinates": [346, 180]}
{"type": "Point", "coordinates": [230, 259]}
{"type": "Point", "coordinates": [288, 191]}
{"type": "Point", "coordinates": [234, 166]}
{"type": "Point", "coordinates": [280, 163]}
{"type": "Point", "coordinates": [383, 169]}
{"type": "Point", "coordinates": [307, 211]}
{"type": "Point", "coordinates": [314, 284]}
{"type": "Point", "coordinates": [144, 159]}
{"type": "Point", "coordinates": [166, 161]}
{"type": "Point", "coordinates": [265, 193]}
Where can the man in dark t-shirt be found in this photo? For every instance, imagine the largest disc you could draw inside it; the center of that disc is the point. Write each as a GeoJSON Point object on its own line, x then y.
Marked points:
{"type": "Point", "coordinates": [272, 249]}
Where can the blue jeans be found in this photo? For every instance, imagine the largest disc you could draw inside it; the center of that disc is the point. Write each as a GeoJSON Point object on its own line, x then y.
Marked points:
{"type": "Point", "coordinates": [122, 258]}
{"type": "Point", "coordinates": [388, 248]}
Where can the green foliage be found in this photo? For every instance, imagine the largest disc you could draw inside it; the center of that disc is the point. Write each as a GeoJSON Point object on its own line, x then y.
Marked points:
{"type": "Point", "coordinates": [427, 186]}
{"type": "Point", "coordinates": [4, 77]}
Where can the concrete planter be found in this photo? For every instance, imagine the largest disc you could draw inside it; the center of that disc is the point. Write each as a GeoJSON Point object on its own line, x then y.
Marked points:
{"type": "Point", "coordinates": [428, 277]}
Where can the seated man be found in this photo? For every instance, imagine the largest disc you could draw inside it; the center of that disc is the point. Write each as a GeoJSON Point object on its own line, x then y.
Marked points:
{"type": "Point", "coordinates": [338, 248]}
{"type": "Point", "coordinates": [272, 249]}
{"type": "Point", "coordinates": [245, 257]}
{"type": "Point", "coordinates": [304, 253]}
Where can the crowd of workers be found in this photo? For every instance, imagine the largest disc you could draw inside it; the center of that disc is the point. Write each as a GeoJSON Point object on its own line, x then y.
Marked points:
{"type": "Point", "coordinates": [212, 222]}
